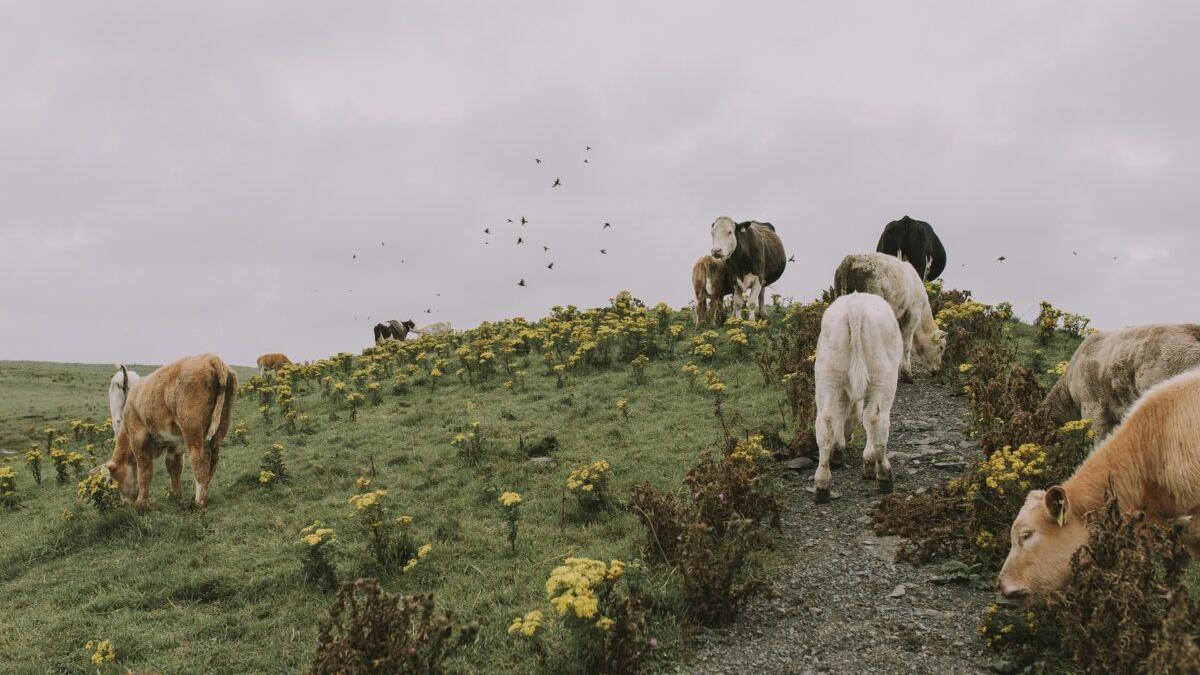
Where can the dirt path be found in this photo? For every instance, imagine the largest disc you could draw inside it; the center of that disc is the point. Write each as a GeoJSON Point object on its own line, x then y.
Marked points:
{"type": "Point", "coordinates": [839, 603]}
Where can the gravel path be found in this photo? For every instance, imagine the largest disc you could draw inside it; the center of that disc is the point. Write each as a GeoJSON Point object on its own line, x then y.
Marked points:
{"type": "Point", "coordinates": [840, 604]}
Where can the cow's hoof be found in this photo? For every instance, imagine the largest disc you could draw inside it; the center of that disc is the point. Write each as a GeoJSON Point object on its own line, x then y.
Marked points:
{"type": "Point", "coordinates": [868, 471]}
{"type": "Point", "coordinates": [141, 505]}
{"type": "Point", "coordinates": [885, 485]}
{"type": "Point", "coordinates": [837, 459]}
{"type": "Point", "coordinates": [821, 495]}
{"type": "Point", "coordinates": [907, 377]}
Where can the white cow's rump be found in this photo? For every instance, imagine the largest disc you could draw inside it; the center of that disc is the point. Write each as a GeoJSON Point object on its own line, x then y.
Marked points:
{"type": "Point", "coordinates": [858, 360]}
{"type": "Point", "coordinates": [439, 328]}
{"type": "Point", "coordinates": [118, 393]}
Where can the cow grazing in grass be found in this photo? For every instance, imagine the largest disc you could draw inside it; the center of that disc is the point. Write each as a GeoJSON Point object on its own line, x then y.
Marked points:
{"type": "Point", "coordinates": [1152, 462]}
{"type": "Point", "coordinates": [272, 361]}
{"type": "Point", "coordinates": [118, 392]}
{"type": "Point", "coordinates": [858, 358]}
{"type": "Point", "coordinates": [898, 284]}
{"type": "Point", "coordinates": [185, 404]}
{"type": "Point", "coordinates": [1109, 371]}
{"type": "Point", "coordinates": [914, 242]}
{"type": "Point", "coordinates": [396, 330]}
{"type": "Point", "coordinates": [754, 257]}
{"type": "Point", "coordinates": [711, 282]}
{"type": "Point", "coordinates": [439, 328]}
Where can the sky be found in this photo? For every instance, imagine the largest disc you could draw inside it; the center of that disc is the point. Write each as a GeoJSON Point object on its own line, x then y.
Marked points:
{"type": "Point", "coordinates": [241, 178]}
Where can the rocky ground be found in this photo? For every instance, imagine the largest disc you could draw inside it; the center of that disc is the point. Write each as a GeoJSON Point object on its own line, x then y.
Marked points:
{"type": "Point", "coordinates": [839, 602]}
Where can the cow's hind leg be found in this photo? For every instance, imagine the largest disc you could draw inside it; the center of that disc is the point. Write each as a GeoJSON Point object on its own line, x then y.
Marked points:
{"type": "Point", "coordinates": [878, 422]}
{"type": "Point", "coordinates": [174, 470]}
{"type": "Point", "coordinates": [198, 457]}
{"type": "Point", "coordinates": [830, 425]}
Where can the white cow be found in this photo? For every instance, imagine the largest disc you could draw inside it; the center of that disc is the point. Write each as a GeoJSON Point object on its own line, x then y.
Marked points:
{"type": "Point", "coordinates": [439, 328]}
{"type": "Point", "coordinates": [858, 360]}
{"type": "Point", "coordinates": [896, 282]}
{"type": "Point", "coordinates": [118, 392]}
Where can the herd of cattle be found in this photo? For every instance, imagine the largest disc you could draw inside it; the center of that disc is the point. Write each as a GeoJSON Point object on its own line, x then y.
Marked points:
{"type": "Point", "coordinates": [1140, 387]}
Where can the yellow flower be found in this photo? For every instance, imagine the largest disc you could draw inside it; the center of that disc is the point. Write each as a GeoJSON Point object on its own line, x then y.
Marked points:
{"type": "Point", "coordinates": [67, 516]}
{"type": "Point", "coordinates": [510, 499]}
{"type": "Point", "coordinates": [605, 624]}
{"type": "Point", "coordinates": [265, 477]}
{"type": "Point", "coordinates": [404, 520]}
{"type": "Point", "coordinates": [424, 550]}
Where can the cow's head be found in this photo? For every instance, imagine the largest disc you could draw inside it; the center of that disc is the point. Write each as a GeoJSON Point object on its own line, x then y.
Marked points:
{"type": "Point", "coordinates": [930, 347]}
{"type": "Point", "coordinates": [724, 237]}
{"type": "Point", "coordinates": [124, 473]}
{"type": "Point", "coordinates": [409, 325]}
{"type": "Point", "coordinates": [1045, 535]}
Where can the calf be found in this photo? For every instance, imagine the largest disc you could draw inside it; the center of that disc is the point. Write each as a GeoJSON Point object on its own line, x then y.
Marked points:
{"type": "Point", "coordinates": [272, 361]}
{"type": "Point", "coordinates": [753, 255]}
{"type": "Point", "coordinates": [396, 330]}
{"type": "Point", "coordinates": [439, 328]}
{"type": "Point", "coordinates": [118, 392]}
{"type": "Point", "coordinates": [1109, 371]}
{"type": "Point", "coordinates": [858, 357]}
{"type": "Point", "coordinates": [187, 403]}
{"type": "Point", "coordinates": [1152, 462]}
{"type": "Point", "coordinates": [711, 282]}
{"type": "Point", "coordinates": [898, 284]}
{"type": "Point", "coordinates": [915, 242]}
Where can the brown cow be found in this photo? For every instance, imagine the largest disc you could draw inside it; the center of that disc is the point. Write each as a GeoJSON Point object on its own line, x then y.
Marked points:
{"type": "Point", "coordinates": [1153, 463]}
{"type": "Point", "coordinates": [272, 361]}
{"type": "Point", "coordinates": [185, 403]}
{"type": "Point", "coordinates": [711, 282]}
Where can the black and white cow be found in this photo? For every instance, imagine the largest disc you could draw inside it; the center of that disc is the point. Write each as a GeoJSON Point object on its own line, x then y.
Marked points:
{"type": "Point", "coordinates": [392, 329]}
{"type": "Point", "coordinates": [754, 258]}
{"type": "Point", "coordinates": [914, 241]}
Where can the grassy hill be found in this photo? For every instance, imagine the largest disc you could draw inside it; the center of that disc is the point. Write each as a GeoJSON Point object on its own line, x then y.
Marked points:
{"type": "Point", "coordinates": [221, 589]}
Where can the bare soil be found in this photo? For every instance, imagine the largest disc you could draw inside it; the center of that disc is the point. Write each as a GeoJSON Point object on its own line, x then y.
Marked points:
{"type": "Point", "coordinates": [839, 603]}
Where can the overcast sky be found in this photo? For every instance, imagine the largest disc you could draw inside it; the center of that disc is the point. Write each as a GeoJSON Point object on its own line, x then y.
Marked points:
{"type": "Point", "coordinates": [186, 177]}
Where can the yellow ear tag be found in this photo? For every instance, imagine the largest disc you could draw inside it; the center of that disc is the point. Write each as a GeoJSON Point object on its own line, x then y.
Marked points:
{"type": "Point", "coordinates": [1062, 517]}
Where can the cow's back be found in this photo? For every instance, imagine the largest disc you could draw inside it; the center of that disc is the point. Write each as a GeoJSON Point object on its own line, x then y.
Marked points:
{"type": "Point", "coordinates": [774, 255]}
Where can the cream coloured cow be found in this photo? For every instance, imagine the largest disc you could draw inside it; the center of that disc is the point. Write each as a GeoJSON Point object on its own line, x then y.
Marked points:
{"type": "Point", "coordinates": [858, 360]}
{"type": "Point", "coordinates": [897, 283]}
{"type": "Point", "coordinates": [118, 392]}
{"type": "Point", "coordinates": [1153, 463]}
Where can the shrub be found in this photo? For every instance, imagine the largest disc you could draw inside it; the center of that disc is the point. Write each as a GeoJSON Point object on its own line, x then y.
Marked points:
{"type": "Point", "coordinates": [33, 460]}
{"type": "Point", "coordinates": [8, 489]}
{"type": "Point", "coordinates": [470, 445]}
{"type": "Point", "coordinates": [639, 368]}
{"type": "Point", "coordinates": [713, 567]}
{"type": "Point", "coordinates": [511, 502]}
{"type": "Point", "coordinates": [1126, 608]}
{"type": "Point", "coordinates": [100, 653]}
{"type": "Point", "coordinates": [101, 491]}
{"type": "Point", "coordinates": [796, 350]}
{"type": "Point", "coordinates": [59, 458]}
{"type": "Point", "coordinates": [317, 543]}
{"type": "Point", "coordinates": [272, 463]}
{"type": "Point", "coordinates": [606, 625]}
{"type": "Point", "coordinates": [589, 485]}
{"type": "Point", "coordinates": [1047, 322]}
{"type": "Point", "coordinates": [371, 630]}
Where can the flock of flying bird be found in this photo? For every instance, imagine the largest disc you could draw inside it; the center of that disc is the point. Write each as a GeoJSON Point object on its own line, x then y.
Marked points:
{"type": "Point", "coordinates": [524, 221]}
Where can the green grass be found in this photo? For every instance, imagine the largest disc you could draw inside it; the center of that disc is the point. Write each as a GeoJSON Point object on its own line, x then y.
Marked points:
{"type": "Point", "coordinates": [220, 590]}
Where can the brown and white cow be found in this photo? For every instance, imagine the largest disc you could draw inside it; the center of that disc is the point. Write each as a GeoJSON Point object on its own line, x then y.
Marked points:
{"type": "Point", "coordinates": [711, 282]}
{"type": "Point", "coordinates": [1153, 463]}
{"type": "Point", "coordinates": [187, 403]}
{"type": "Point", "coordinates": [754, 256]}
{"type": "Point", "coordinates": [1110, 371]}
{"type": "Point", "coordinates": [272, 361]}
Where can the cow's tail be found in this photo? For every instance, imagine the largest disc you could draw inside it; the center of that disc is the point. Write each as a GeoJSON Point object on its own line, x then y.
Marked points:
{"type": "Point", "coordinates": [225, 390]}
{"type": "Point", "coordinates": [124, 380]}
{"type": "Point", "coordinates": [856, 372]}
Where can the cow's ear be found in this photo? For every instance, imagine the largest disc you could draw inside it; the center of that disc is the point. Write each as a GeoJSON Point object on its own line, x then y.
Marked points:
{"type": "Point", "coordinates": [743, 226]}
{"type": "Point", "coordinates": [1057, 505]}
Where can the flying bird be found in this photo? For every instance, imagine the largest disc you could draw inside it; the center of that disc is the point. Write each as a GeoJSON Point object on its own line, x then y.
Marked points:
{"type": "Point", "coordinates": [550, 266]}
{"type": "Point", "coordinates": [588, 147]}
{"type": "Point", "coordinates": [354, 256]}
{"type": "Point", "coordinates": [523, 221]}
{"type": "Point", "coordinates": [521, 282]}
{"type": "Point", "coordinates": [1074, 253]}
{"type": "Point", "coordinates": [381, 244]}
{"type": "Point", "coordinates": [545, 248]}
{"type": "Point", "coordinates": [510, 220]}
{"type": "Point", "coordinates": [429, 311]}
{"type": "Point", "coordinates": [557, 182]}
{"type": "Point", "coordinates": [791, 258]}
{"type": "Point", "coordinates": [585, 161]}
{"type": "Point", "coordinates": [487, 230]}
{"type": "Point", "coordinates": [603, 252]}
{"type": "Point", "coordinates": [520, 241]}
{"type": "Point", "coordinates": [537, 160]}
{"type": "Point", "coordinates": [1002, 258]}
{"type": "Point", "coordinates": [606, 226]}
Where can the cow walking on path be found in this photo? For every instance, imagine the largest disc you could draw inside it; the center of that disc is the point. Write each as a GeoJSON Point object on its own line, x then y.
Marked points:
{"type": "Point", "coordinates": [858, 358]}
{"type": "Point", "coordinates": [754, 256]}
